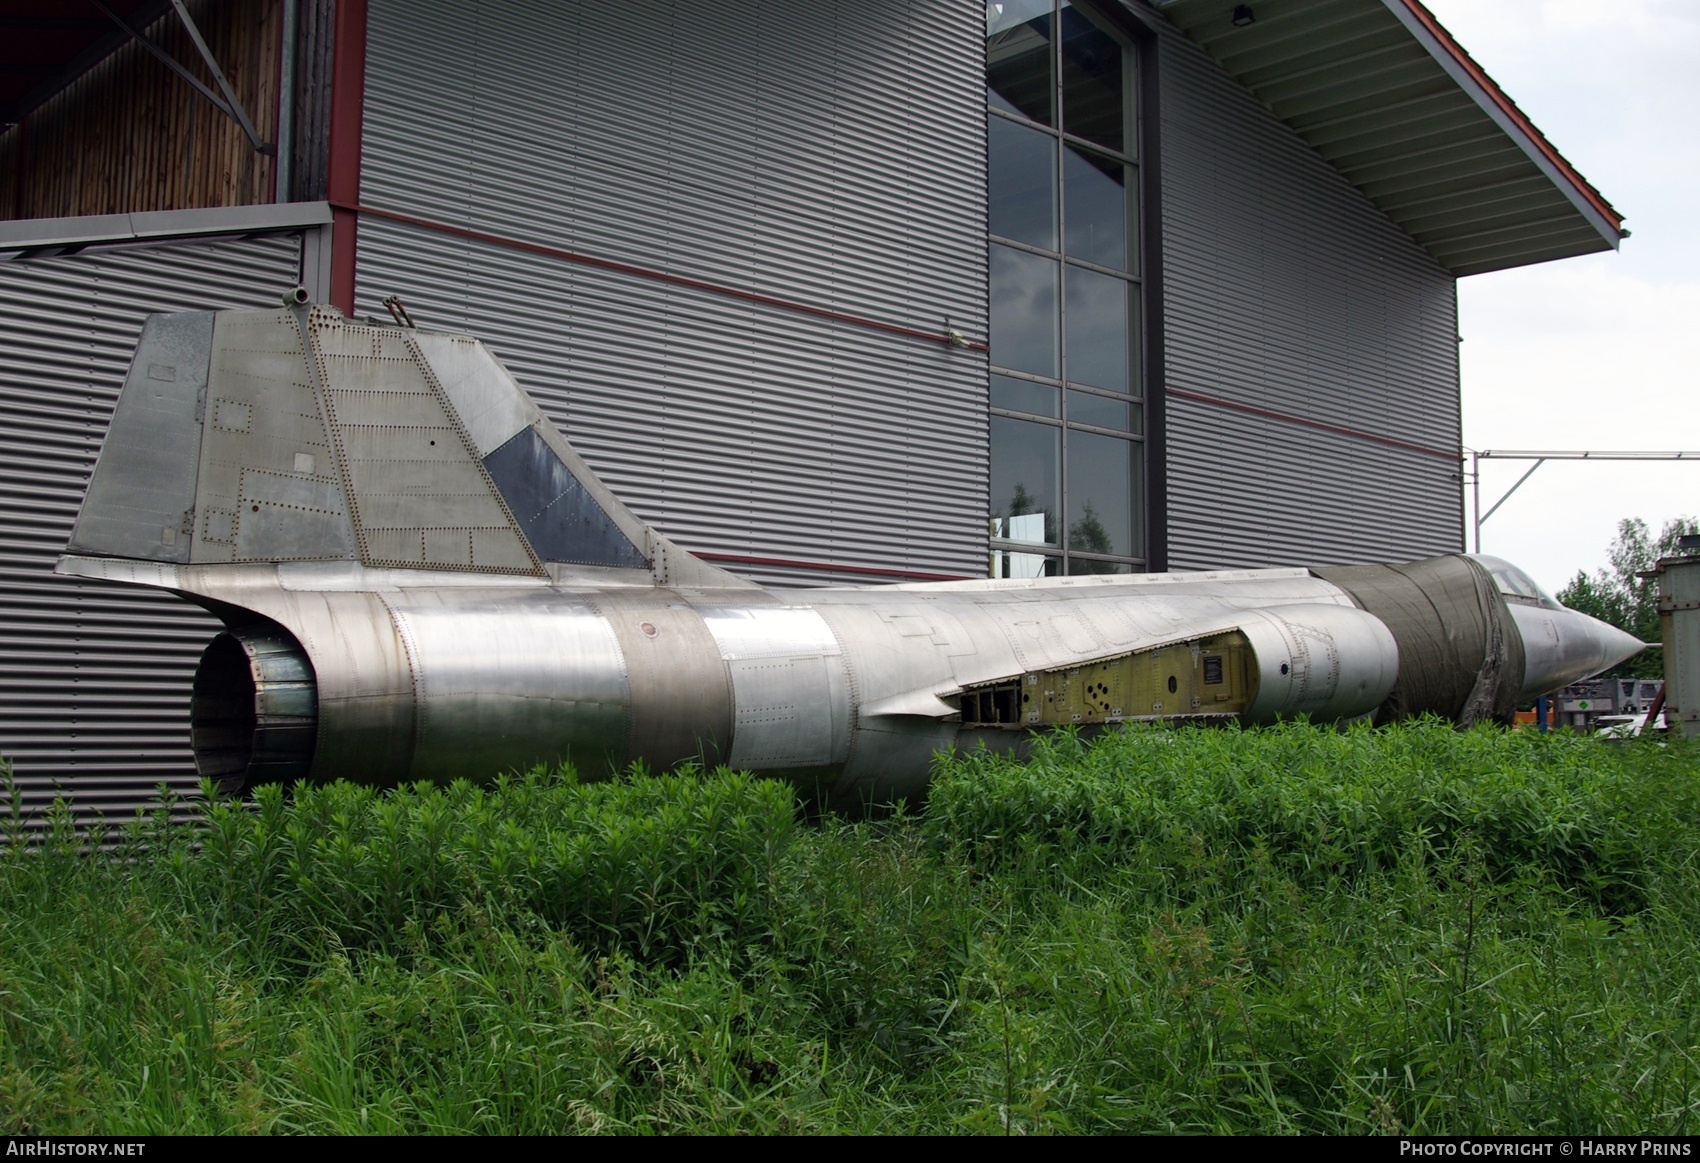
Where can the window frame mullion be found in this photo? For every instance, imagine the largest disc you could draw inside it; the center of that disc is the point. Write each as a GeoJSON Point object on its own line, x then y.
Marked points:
{"type": "Point", "coordinates": [1135, 229]}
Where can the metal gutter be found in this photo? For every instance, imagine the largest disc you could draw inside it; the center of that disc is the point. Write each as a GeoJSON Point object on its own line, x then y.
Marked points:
{"type": "Point", "coordinates": [283, 180]}
{"type": "Point", "coordinates": [84, 230]}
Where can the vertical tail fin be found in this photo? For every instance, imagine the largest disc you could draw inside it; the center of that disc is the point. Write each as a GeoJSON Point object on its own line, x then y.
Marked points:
{"type": "Point", "coordinates": [297, 435]}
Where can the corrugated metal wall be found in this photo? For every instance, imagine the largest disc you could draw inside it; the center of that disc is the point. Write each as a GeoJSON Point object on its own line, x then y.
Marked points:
{"type": "Point", "coordinates": [827, 153]}
{"type": "Point", "coordinates": [94, 678]}
{"type": "Point", "coordinates": [1286, 289]}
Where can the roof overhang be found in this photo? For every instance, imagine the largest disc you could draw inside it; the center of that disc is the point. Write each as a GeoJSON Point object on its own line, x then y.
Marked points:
{"type": "Point", "coordinates": [50, 43]}
{"type": "Point", "coordinates": [1385, 94]}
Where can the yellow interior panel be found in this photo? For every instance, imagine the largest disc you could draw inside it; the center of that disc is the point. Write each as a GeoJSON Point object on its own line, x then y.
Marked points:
{"type": "Point", "coordinates": [1206, 676]}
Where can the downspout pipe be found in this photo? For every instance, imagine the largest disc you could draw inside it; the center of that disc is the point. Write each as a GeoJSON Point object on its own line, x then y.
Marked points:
{"type": "Point", "coordinates": [283, 190]}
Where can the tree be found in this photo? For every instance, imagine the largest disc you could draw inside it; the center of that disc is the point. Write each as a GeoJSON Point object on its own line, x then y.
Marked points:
{"type": "Point", "coordinates": [1624, 597]}
{"type": "Point", "coordinates": [1088, 535]}
{"type": "Point", "coordinates": [1022, 504]}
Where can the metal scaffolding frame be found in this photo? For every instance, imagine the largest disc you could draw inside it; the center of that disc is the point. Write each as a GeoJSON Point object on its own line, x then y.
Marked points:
{"type": "Point", "coordinates": [1541, 458]}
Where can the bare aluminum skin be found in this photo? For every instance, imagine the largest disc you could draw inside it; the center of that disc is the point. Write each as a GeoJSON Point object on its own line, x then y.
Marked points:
{"type": "Point", "coordinates": [471, 599]}
{"type": "Point", "coordinates": [1561, 645]}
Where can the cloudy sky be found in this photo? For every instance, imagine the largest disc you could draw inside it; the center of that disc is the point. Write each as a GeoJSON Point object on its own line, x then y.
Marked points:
{"type": "Point", "coordinates": [1600, 352]}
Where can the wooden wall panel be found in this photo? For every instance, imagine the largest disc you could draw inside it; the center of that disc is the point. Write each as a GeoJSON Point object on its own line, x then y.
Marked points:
{"type": "Point", "coordinates": [317, 24]}
{"type": "Point", "coordinates": [130, 135]}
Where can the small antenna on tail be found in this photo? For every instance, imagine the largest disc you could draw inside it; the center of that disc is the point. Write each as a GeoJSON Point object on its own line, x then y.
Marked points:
{"type": "Point", "coordinates": [398, 312]}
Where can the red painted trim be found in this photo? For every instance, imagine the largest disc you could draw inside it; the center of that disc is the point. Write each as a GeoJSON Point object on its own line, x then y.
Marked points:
{"type": "Point", "coordinates": [1354, 433]}
{"type": "Point", "coordinates": [353, 206]}
{"type": "Point", "coordinates": [1653, 711]}
{"type": "Point", "coordinates": [1518, 117]}
{"type": "Point", "coordinates": [348, 103]}
{"type": "Point", "coordinates": [827, 567]}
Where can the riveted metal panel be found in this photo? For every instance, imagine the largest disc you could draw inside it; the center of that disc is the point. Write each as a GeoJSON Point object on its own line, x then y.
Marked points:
{"type": "Point", "coordinates": [419, 495]}
{"type": "Point", "coordinates": [141, 502]}
{"type": "Point", "coordinates": [1286, 289]}
{"type": "Point", "coordinates": [790, 687]}
{"type": "Point", "coordinates": [95, 677]}
{"type": "Point", "coordinates": [828, 154]}
{"type": "Point", "coordinates": [268, 487]}
{"type": "Point", "coordinates": [681, 691]}
{"type": "Point", "coordinates": [480, 389]}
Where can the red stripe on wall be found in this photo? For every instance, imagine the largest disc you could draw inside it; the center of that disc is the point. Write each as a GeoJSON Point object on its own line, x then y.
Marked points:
{"type": "Point", "coordinates": [352, 206]}
{"type": "Point", "coordinates": [1340, 430]}
{"type": "Point", "coordinates": [828, 567]}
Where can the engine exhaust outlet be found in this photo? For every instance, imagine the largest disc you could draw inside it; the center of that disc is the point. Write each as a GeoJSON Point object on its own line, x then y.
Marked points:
{"type": "Point", "coordinates": [253, 717]}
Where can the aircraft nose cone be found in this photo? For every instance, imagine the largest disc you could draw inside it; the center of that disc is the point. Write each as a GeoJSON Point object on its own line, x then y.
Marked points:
{"type": "Point", "coordinates": [1561, 646]}
{"type": "Point", "coordinates": [1615, 644]}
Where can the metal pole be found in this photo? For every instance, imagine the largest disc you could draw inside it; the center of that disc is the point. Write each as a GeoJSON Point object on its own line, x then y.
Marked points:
{"type": "Point", "coordinates": [1540, 458]}
{"type": "Point", "coordinates": [1512, 489]}
{"type": "Point", "coordinates": [1476, 483]}
{"type": "Point", "coordinates": [167, 60]}
{"type": "Point", "coordinates": [227, 104]}
{"type": "Point", "coordinates": [286, 108]}
{"type": "Point", "coordinates": [231, 101]}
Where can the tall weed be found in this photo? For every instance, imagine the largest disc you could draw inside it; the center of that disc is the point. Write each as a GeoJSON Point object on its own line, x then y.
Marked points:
{"type": "Point", "coordinates": [1294, 930]}
{"type": "Point", "coordinates": [1324, 803]}
{"type": "Point", "coordinates": [648, 865]}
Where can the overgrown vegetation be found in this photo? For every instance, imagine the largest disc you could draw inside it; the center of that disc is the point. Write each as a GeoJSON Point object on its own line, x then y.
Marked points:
{"type": "Point", "coordinates": [1297, 929]}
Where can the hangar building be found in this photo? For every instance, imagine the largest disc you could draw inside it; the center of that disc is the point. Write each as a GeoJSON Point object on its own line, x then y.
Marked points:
{"type": "Point", "coordinates": [831, 293]}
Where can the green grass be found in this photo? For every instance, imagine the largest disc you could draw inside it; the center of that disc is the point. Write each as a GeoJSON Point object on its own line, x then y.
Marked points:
{"type": "Point", "coordinates": [1410, 930]}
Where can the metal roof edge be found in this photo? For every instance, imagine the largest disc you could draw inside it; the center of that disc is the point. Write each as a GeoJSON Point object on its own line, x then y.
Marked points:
{"type": "Point", "coordinates": [1474, 80]}
{"type": "Point", "coordinates": [27, 233]}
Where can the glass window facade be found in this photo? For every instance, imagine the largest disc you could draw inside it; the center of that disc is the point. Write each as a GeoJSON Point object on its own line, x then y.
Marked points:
{"type": "Point", "coordinates": [1067, 452]}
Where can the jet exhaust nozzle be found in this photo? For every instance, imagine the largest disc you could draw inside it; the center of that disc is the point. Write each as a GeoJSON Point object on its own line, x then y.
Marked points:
{"type": "Point", "coordinates": [253, 717]}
